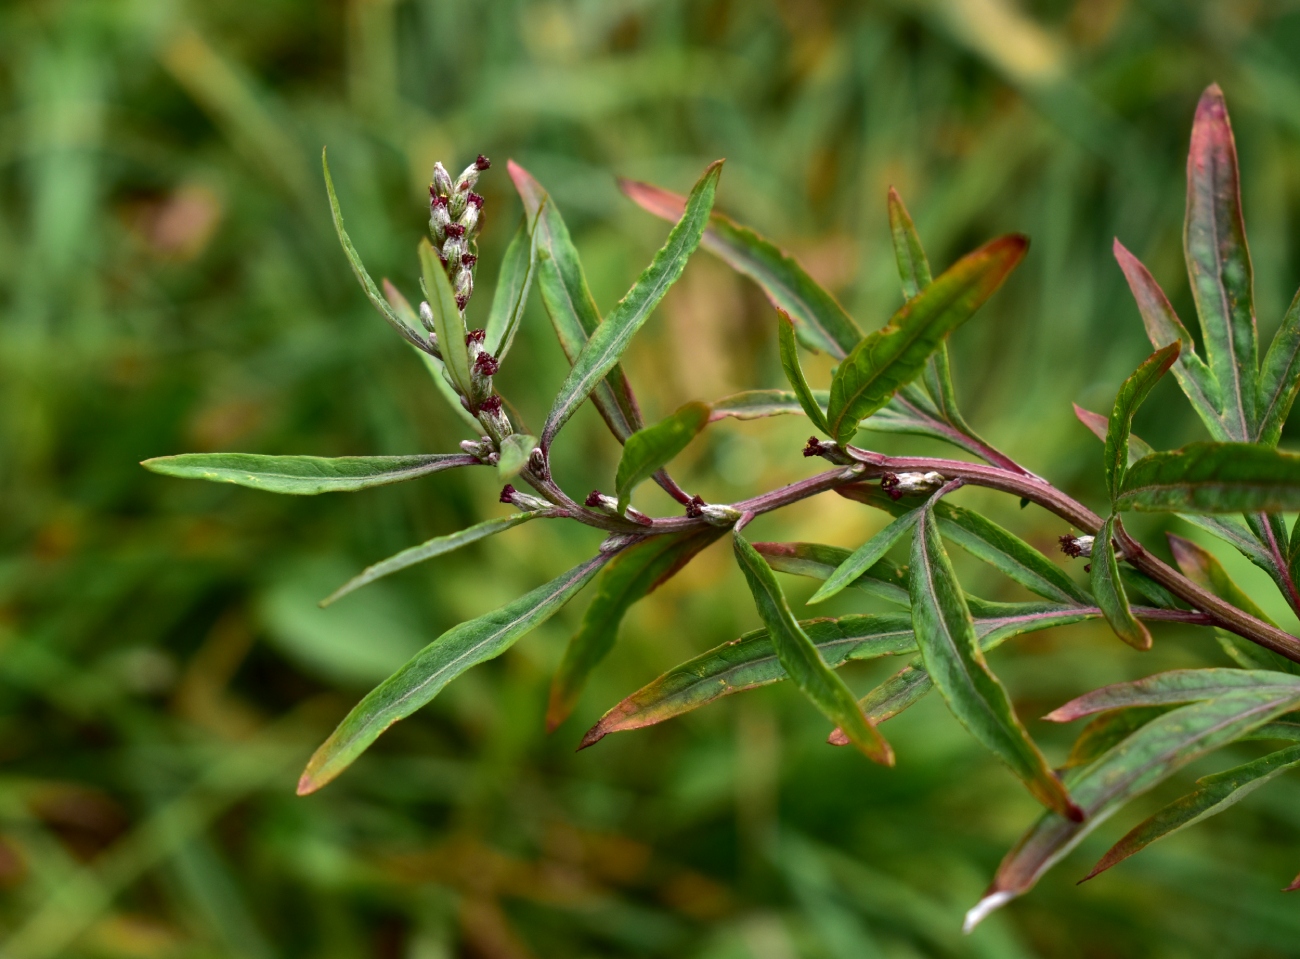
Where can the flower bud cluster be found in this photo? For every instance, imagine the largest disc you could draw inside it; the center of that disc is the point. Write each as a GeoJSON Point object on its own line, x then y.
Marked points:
{"type": "Point", "coordinates": [454, 212]}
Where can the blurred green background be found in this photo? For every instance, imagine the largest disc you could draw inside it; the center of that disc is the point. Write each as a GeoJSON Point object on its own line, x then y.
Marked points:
{"type": "Point", "coordinates": [170, 281]}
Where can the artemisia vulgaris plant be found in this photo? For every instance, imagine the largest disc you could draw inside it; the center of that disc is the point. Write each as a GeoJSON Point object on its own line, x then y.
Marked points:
{"type": "Point", "coordinates": [1236, 486]}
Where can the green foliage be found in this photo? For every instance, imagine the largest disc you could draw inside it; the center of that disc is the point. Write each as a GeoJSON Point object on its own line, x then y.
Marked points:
{"type": "Point", "coordinates": [648, 450]}
{"type": "Point", "coordinates": [304, 475]}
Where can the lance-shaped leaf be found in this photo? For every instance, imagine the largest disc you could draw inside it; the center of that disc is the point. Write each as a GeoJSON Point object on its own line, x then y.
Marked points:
{"type": "Point", "coordinates": [515, 450]}
{"type": "Point", "coordinates": [1131, 395]}
{"type": "Point", "coordinates": [911, 411]}
{"type": "Point", "coordinates": [819, 320]}
{"type": "Point", "coordinates": [1099, 425]}
{"type": "Point", "coordinates": [913, 264]}
{"type": "Point", "coordinates": [1216, 793]}
{"type": "Point", "coordinates": [1279, 376]}
{"type": "Point", "coordinates": [1163, 326]}
{"type": "Point", "coordinates": [1143, 760]}
{"type": "Point", "coordinates": [1174, 686]}
{"type": "Point", "coordinates": [647, 450]}
{"type": "Point", "coordinates": [1108, 588]}
{"type": "Point", "coordinates": [800, 659]}
{"type": "Point", "coordinates": [436, 665]}
{"type": "Point", "coordinates": [447, 322]}
{"type": "Point", "coordinates": [866, 556]}
{"type": "Point", "coordinates": [304, 475]}
{"type": "Point", "coordinates": [1214, 478]}
{"type": "Point", "coordinates": [409, 331]}
{"type": "Point", "coordinates": [794, 372]}
{"type": "Point", "coordinates": [612, 337]}
{"type": "Point", "coordinates": [1108, 730]}
{"type": "Point", "coordinates": [756, 404]}
{"type": "Point", "coordinates": [429, 549]}
{"type": "Point", "coordinates": [884, 579]}
{"type": "Point", "coordinates": [890, 357]}
{"type": "Point", "coordinates": [437, 371]}
{"type": "Point", "coordinates": [634, 573]}
{"type": "Point", "coordinates": [1218, 263]}
{"type": "Point", "coordinates": [953, 658]}
{"type": "Point", "coordinates": [986, 541]}
{"type": "Point", "coordinates": [513, 284]}
{"type": "Point", "coordinates": [569, 303]}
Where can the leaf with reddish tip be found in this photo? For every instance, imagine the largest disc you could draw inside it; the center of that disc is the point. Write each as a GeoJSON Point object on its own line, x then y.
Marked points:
{"type": "Point", "coordinates": [794, 372]}
{"type": "Point", "coordinates": [884, 579]}
{"type": "Point", "coordinates": [1214, 478]}
{"type": "Point", "coordinates": [819, 320]}
{"type": "Point", "coordinates": [635, 573]}
{"type": "Point", "coordinates": [1174, 686]}
{"type": "Point", "coordinates": [424, 676]}
{"type": "Point", "coordinates": [1098, 425]}
{"type": "Point", "coordinates": [1131, 395]}
{"type": "Point", "coordinates": [1294, 886]}
{"type": "Point", "coordinates": [756, 404]}
{"type": "Point", "coordinates": [951, 652]}
{"type": "Point", "coordinates": [893, 356]}
{"type": "Point", "coordinates": [607, 343]}
{"type": "Point", "coordinates": [1145, 759]}
{"type": "Point", "coordinates": [1216, 793]}
{"type": "Point", "coordinates": [1279, 376]}
{"type": "Point", "coordinates": [1218, 264]}
{"type": "Point", "coordinates": [800, 658]}
{"type": "Point", "coordinates": [1163, 326]}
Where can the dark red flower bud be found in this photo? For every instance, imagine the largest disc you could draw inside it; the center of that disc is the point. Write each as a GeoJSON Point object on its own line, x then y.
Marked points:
{"type": "Point", "coordinates": [486, 364]}
{"type": "Point", "coordinates": [455, 229]}
{"type": "Point", "coordinates": [442, 259]}
{"type": "Point", "coordinates": [461, 300]}
{"type": "Point", "coordinates": [813, 448]}
{"type": "Point", "coordinates": [475, 336]}
{"type": "Point", "coordinates": [889, 483]}
{"type": "Point", "coordinates": [492, 404]}
{"type": "Point", "coordinates": [436, 198]}
{"type": "Point", "coordinates": [1070, 546]}
{"type": "Point", "coordinates": [468, 259]}
{"type": "Point", "coordinates": [695, 508]}
{"type": "Point", "coordinates": [475, 199]}
{"type": "Point", "coordinates": [482, 162]}
{"type": "Point", "coordinates": [507, 493]}
{"type": "Point", "coordinates": [593, 498]}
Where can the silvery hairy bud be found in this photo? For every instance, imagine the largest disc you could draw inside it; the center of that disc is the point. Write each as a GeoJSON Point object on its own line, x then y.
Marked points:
{"type": "Point", "coordinates": [609, 506]}
{"type": "Point", "coordinates": [481, 448]}
{"type": "Point", "coordinates": [426, 316]}
{"type": "Point", "coordinates": [898, 485]}
{"type": "Point", "coordinates": [1076, 547]}
{"type": "Point", "coordinates": [717, 515]}
{"type": "Point", "coordinates": [439, 217]}
{"type": "Point", "coordinates": [442, 184]}
{"type": "Point", "coordinates": [524, 501]}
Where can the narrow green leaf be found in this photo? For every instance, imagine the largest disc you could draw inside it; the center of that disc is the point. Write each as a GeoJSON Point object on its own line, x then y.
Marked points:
{"type": "Point", "coordinates": [513, 284]}
{"type": "Point", "coordinates": [1279, 376]}
{"type": "Point", "coordinates": [1214, 478]}
{"type": "Point", "coordinates": [634, 573]}
{"type": "Point", "coordinates": [800, 659]}
{"type": "Point", "coordinates": [1163, 326]}
{"type": "Point", "coordinates": [1218, 263]}
{"type": "Point", "coordinates": [1143, 760]}
{"type": "Point", "coordinates": [890, 357]}
{"type": "Point", "coordinates": [649, 449]}
{"type": "Point", "coordinates": [515, 450]}
{"type": "Point", "coordinates": [1108, 588]}
{"type": "Point", "coordinates": [1108, 730]}
{"type": "Point", "coordinates": [913, 265]}
{"type": "Point", "coordinates": [951, 652]}
{"type": "Point", "coordinates": [1131, 395]}
{"type": "Point", "coordinates": [1216, 793]}
{"type": "Point", "coordinates": [429, 549]}
{"type": "Point", "coordinates": [908, 412]}
{"type": "Point", "coordinates": [1174, 686]}
{"type": "Point", "coordinates": [612, 337]}
{"type": "Point", "coordinates": [409, 332]}
{"type": "Point", "coordinates": [986, 541]}
{"type": "Point", "coordinates": [1203, 568]}
{"type": "Point", "coordinates": [447, 321]}
{"type": "Point", "coordinates": [756, 404]}
{"type": "Point", "coordinates": [304, 475]}
{"type": "Point", "coordinates": [820, 322]}
{"type": "Point", "coordinates": [866, 556]}
{"type": "Point", "coordinates": [883, 580]}
{"type": "Point", "coordinates": [794, 372]}
{"type": "Point", "coordinates": [1099, 425]}
{"type": "Point", "coordinates": [436, 665]}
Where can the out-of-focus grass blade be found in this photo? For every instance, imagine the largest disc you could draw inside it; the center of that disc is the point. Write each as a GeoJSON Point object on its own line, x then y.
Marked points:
{"type": "Point", "coordinates": [1163, 327]}
{"type": "Point", "coordinates": [1108, 588]}
{"type": "Point", "coordinates": [436, 665]}
{"type": "Point", "coordinates": [1279, 376]}
{"type": "Point", "coordinates": [890, 357]}
{"type": "Point", "coordinates": [1131, 395]}
{"type": "Point", "coordinates": [1143, 760]}
{"type": "Point", "coordinates": [820, 322]}
{"type": "Point", "coordinates": [1098, 425]}
{"type": "Point", "coordinates": [447, 322]}
{"type": "Point", "coordinates": [633, 574]}
{"type": "Point", "coordinates": [986, 541]}
{"type": "Point", "coordinates": [818, 561]}
{"type": "Point", "coordinates": [951, 651]}
{"type": "Point", "coordinates": [649, 449]}
{"type": "Point", "coordinates": [800, 659]}
{"type": "Point", "coordinates": [1214, 478]}
{"type": "Point", "coordinates": [515, 450]}
{"type": "Point", "coordinates": [513, 284]}
{"type": "Point", "coordinates": [429, 549]}
{"type": "Point", "coordinates": [756, 404]}
{"type": "Point", "coordinates": [794, 372]}
{"type": "Point", "coordinates": [1216, 793]}
{"type": "Point", "coordinates": [1218, 263]}
{"type": "Point", "coordinates": [866, 556]}
{"type": "Point", "coordinates": [612, 337]}
{"type": "Point", "coordinates": [1174, 686]}
{"type": "Point", "coordinates": [304, 475]}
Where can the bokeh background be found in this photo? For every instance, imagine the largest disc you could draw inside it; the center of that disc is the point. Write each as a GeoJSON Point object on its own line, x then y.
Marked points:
{"type": "Point", "coordinates": [169, 281]}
